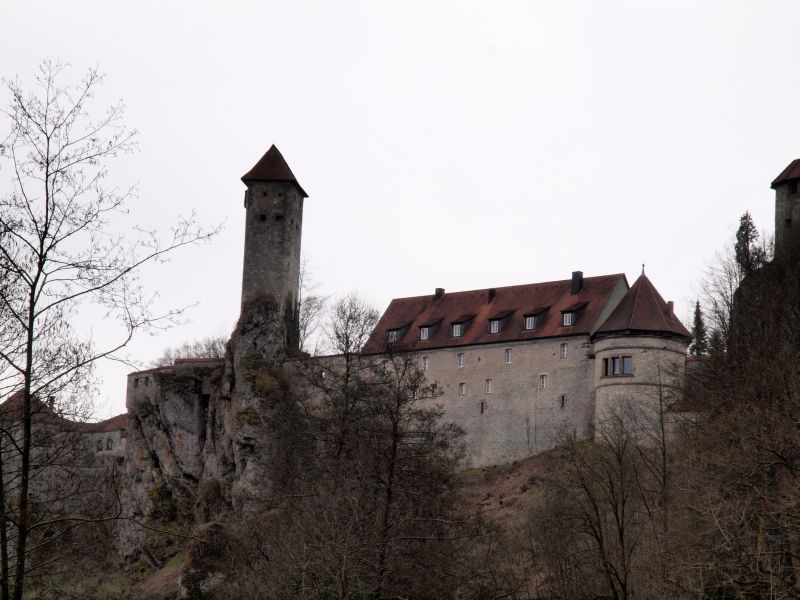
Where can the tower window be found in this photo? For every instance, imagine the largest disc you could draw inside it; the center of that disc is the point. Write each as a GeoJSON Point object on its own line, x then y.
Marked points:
{"type": "Point", "coordinates": [788, 223]}
{"type": "Point", "coordinates": [616, 366]}
{"type": "Point", "coordinates": [278, 218]}
{"type": "Point", "coordinates": [262, 218]}
{"type": "Point", "coordinates": [562, 400]}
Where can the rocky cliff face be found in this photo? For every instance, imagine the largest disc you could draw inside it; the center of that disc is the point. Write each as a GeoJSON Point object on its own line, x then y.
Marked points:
{"type": "Point", "coordinates": [202, 434]}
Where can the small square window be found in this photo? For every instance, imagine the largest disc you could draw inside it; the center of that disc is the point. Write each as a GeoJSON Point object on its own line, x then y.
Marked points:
{"type": "Point", "coordinates": [616, 365]}
{"type": "Point", "coordinates": [488, 386]}
{"type": "Point", "coordinates": [460, 359]}
{"type": "Point", "coordinates": [494, 326]}
{"type": "Point", "coordinates": [425, 363]}
{"type": "Point", "coordinates": [627, 365]}
{"type": "Point", "coordinates": [424, 333]}
{"type": "Point", "coordinates": [456, 329]}
{"type": "Point", "coordinates": [508, 356]}
{"type": "Point", "coordinates": [530, 322]}
{"type": "Point", "coordinates": [543, 382]}
{"type": "Point", "coordinates": [462, 389]}
{"type": "Point", "coordinates": [563, 350]}
{"type": "Point", "coordinates": [567, 319]}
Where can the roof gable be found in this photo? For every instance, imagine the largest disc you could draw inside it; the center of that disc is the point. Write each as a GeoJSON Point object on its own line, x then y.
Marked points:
{"type": "Point", "coordinates": [790, 173]}
{"type": "Point", "coordinates": [643, 309]}
{"type": "Point", "coordinates": [511, 304]}
{"type": "Point", "coordinates": [272, 167]}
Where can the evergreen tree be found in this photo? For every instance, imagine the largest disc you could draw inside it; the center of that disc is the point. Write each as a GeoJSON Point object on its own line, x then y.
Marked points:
{"type": "Point", "coordinates": [699, 346]}
{"type": "Point", "coordinates": [749, 255]}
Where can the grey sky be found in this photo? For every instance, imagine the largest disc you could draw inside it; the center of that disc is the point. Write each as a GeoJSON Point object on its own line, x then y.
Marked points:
{"type": "Point", "coordinates": [453, 144]}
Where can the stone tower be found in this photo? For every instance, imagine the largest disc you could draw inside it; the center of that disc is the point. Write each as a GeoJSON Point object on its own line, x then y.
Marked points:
{"type": "Point", "coordinates": [273, 228]}
{"type": "Point", "coordinates": [787, 208]}
{"type": "Point", "coordinates": [640, 357]}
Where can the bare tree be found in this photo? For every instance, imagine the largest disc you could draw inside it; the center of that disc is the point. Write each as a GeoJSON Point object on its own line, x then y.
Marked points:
{"type": "Point", "coordinates": [312, 308]}
{"type": "Point", "coordinates": [59, 258]}
{"type": "Point", "coordinates": [209, 347]}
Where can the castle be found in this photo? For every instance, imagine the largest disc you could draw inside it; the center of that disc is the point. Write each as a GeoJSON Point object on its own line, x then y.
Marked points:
{"type": "Point", "coordinates": [514, 366]}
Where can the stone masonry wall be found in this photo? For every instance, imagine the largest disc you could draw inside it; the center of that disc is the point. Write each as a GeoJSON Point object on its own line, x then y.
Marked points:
{"type": "Point", "coordinates": [518, 418]}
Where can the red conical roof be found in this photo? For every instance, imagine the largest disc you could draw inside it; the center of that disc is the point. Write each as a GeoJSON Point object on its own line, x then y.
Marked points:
{"type": "Point", "coordinates": [643, 310]}
{"type": "Point", "coordinates": [272, 167]}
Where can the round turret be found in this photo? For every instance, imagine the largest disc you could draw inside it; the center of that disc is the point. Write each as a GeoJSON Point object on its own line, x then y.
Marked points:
{"type": "Point", "coordinates": [640, 360]}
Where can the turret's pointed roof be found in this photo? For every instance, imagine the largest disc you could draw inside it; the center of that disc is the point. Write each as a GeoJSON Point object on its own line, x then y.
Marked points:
{"type": "Point", "coordinates": [272, 167]}
{"type": "Point", "coordinates": [790, 173]}
{"type": "Point", "coordinates": [643, 310]}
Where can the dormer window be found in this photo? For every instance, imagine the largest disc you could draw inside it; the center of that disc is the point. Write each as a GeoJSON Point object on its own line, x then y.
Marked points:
{"type": "Point", "coordinates": [568, 319]}
{"type": "Point", "coordinates": [494, 326]}
{"type": "Point", "coordinates": [424, 333]}
{"type": "Point", "coordinates": [530, 322]}
{"type": "Point", "coordinates": [457, 329]}
{"type": "Point", "coordinates": [393, 336]}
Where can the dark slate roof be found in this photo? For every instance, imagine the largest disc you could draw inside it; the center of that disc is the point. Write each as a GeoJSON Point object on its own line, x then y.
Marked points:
{"type": "Point", "coordinates": [790, 173]}
{"type": "Point", "coordinates": [547, 300]}
{"type": "Point", "coordinates": [272, 167]}
{"type": "Point", "coordinates": [643, 310]}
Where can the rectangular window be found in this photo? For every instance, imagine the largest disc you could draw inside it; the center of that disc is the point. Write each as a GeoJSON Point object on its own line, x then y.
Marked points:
{"type": "Point", "coordinates": [567, 319]}
{"type": "Point", "coordinates": [425, 363]}
{"type": "Point", "coordinates": [385, 366]}
{"type": "Point", "coordinates": [424, 332]}
{"type": "Point", "coordinates": [135, 382]}
{"type": "Point", "coordinates": [392, 336]}
{"type": "Point", "coordinates": [627, 365]}
{"type": "Point", "coordinates": [605, 367]}
{"type": "Point", "coordinates": [460, 359]}
{"type": "Point", "coordinates": [563, 352]}
{"type": "Point", "coordinates": [488, 386]}
{"type": "Point", "coordinates": [508, 356]}
{"type": "Point", "coordinates": [530, 322]}
{"type": "Point", "coordinates": [494, 326]}
{"type": "Point", "coordinates": [462, 389]}
{"type": "Point", "coordinates": [543, 382]}
{"type": "Point", "coordinates": [562, 400]}
{"type": "Point", "coordinates": [456, 329]}
{"type": "Point", "coordinates": [616, 365]}
{"type": "Point", "coordinates": [146, 381]}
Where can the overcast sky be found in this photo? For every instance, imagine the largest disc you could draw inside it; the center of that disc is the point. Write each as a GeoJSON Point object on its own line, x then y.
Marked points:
{"type": "Point", "coordinates": [463, 145]}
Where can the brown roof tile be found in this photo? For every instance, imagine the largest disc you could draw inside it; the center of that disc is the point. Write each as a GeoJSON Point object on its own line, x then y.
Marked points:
{"type": "Point", "coordinates": [788, 174]}
{"type": "Point", "coordinates": [272, 167]}
{"type": "Point", "coordinates": [643, 310]}
{"type": "Point", "coordinates": [515, 302]}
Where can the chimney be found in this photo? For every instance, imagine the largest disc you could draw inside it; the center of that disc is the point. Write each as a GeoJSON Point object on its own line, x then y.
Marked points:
{"type": "Point", "coordinates": [577, 282]}
{"type": "Point", "coordinates": [492, 293]}
{"type": "Point", "coordinates": [671, 307]}
{"type": "Point", "coordinates": [439, 293]}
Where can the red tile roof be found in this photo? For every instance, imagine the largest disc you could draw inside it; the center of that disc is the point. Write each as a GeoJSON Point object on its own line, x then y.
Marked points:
{"type": "Point", "coordinates": [643, 310]}
{"type": "Point", "coordinates": [272, 167]}
{"type": "Point", "coordinates": [11, 409]}
{"type": "Point", "coordinates": [788, 174]}
{"type": "Point", "coordinates": [547, 300]}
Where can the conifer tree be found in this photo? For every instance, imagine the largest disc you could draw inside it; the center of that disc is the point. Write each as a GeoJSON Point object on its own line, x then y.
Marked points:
{"type": "Point", "coordinates": [699, 346]}
{"type": "Point", "coordinates": [749, 255]}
